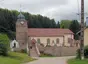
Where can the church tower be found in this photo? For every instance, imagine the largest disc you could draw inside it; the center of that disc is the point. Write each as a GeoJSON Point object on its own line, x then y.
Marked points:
{"type": "Point", "coordinates": [21, 32]}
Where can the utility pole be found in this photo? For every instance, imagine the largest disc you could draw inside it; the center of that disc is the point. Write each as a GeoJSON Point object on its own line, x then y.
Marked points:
{"type": "Point", "coordinates": [82, 31]}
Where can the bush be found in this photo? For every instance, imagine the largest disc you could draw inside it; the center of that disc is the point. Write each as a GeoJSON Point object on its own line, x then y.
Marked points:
{"type": "Point", "coordinates": [46, 55]}
{"type": "Point", "coordinates": [85, 52]}
{"type": "Point", "coordinates": [3, 49]}
{"type": "Point", "coordinates": [23, 50]}
{"type": "Point", "coordinates": [78, 54]}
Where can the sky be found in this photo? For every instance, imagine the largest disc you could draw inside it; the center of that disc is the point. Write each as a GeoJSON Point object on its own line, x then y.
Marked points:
{"type": "Point", "coordinates": [54, 9]}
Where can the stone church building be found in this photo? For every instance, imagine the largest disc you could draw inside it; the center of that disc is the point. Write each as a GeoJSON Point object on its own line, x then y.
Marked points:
{"type": "Point", "coordinates": [26, 37]}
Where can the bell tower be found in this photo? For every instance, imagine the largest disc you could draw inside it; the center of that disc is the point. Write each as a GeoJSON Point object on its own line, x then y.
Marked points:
{"type": "Point", "coordinates": [21, 32]}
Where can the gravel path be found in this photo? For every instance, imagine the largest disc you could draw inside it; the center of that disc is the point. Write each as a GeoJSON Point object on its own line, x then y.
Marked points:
{"type": "Point", "coordinates": [51, 60]}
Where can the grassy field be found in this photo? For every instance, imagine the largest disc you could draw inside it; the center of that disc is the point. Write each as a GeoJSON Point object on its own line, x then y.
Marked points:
{"type": "Point", "coordinates": [15, 58]}
{"type": "Point", "coordinates": [77, 61]}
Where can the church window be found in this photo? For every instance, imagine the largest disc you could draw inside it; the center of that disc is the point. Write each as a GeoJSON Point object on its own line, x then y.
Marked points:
{"type": "Point", "coordinates": [57, 41]}
{"type": "Point", "coordinates": [48, 41]}
{"type": "Point", "coordinates": [38, 40]}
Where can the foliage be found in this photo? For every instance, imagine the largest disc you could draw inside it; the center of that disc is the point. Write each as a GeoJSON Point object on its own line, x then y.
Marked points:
{"type": "Point", "coordinates": [8, 20]}
{"type": "Point", "coordinates": [75, 27]}
{"type": "Point", "coordinates": [65, 24]}
{"type": "Point", "coordinates": [77, 61]}
{"type": "Point", "coordinates": [4, 39]}
{"type": "Point", "coordinates": [4, 44]}
{"type": "Point", "coordinates": [3, 49]}
{"type": "Point", "coordinates": [15, 58]}
{"type": "Point", "coordinates": [78, 54]}
{"type": "Point", "coordinates": [85, 52]}
{"type": "Point", "coordinates": [58, 24]}
{"type": "Point", "coordinates": [46, 55]}
{"type": "Point", "coordinates": [23, 50]}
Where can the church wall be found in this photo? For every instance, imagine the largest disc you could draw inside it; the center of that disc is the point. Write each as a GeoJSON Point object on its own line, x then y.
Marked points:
{"type": "Point", "coordinates": [62, 39]}
{"type": "Point", "coordinates": [44, 40]}
{"type": "Point", "coordinates": [66, 38]}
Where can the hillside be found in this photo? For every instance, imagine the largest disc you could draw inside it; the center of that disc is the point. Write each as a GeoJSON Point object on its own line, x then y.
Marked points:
{"type": "Point", "coordinates": [8, 19]}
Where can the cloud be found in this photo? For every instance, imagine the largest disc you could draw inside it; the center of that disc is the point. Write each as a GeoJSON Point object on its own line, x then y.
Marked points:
{"type": "Point", "coordinates": [57, 9]}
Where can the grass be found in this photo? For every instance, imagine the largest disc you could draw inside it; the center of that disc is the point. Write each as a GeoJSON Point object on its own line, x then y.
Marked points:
{"type": "Point", "coordinates": [15, 58]}
{"type": "Point", "coordinates": [77, 61]}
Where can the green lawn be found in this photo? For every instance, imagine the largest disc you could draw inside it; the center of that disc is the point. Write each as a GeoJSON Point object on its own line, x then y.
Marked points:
{"type": "Point", "coordinates": [15, 58]}
{"type": "Point", "coordinates": [77, 61]}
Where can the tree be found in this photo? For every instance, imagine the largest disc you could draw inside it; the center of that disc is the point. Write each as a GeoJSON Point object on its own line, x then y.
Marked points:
{"type": "Point", "coordinates": [75, 27]}
{"type": "Point", "coordinates": [53, 23]}
{"type": "Point", "coordinates": [58, 24]}
{"type": "Point", "coordinates": [8, 20]}
{"type": "Point", "coordinates": [3, 49]}
{"type": "Point", "coordinates": [65, 23]}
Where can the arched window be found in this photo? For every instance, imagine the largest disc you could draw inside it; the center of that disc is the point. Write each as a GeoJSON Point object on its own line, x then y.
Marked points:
{"type": "Point", "coordinates": [38, 40]}
{"type": "Point", "coordinates": [57, 41]}
{"type": "Point", "coordinates": [48, 41]}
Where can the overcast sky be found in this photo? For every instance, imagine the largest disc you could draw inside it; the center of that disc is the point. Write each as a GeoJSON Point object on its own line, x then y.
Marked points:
{"type": "Point", "coordinates": [57, 9]}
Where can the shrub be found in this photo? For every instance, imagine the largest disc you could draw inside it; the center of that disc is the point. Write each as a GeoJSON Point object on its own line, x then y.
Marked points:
{"type": "Point", "coordinates": [85, 52]}
{"type": "Point", "coordinates": [46, 55]}
{"type": "Point", "coordinates": [78, 54]}
{"type": "Point", "coordinates": [3, 49]}
{"type": "Point", "coordinates": [23, 51]}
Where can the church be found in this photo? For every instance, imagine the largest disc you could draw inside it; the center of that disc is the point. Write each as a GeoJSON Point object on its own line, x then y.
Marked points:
{"type": "Point", "coordinates": [46, 36]}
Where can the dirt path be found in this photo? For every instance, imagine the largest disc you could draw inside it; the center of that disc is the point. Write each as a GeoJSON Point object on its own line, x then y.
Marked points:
{"type": "Point", "coordinates": [51, 60]}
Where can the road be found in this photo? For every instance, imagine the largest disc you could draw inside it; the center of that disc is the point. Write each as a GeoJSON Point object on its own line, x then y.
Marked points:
{"type": "Point", "coordinates": [51, 60]}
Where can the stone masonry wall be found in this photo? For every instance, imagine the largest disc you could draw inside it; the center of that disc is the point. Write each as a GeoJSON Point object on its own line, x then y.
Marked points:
{"type": "Point", "coordinates": [59, 51]}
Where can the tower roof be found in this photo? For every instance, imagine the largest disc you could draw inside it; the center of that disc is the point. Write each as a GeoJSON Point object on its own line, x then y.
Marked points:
{"type": "Point", "coordinates": [21, 16]}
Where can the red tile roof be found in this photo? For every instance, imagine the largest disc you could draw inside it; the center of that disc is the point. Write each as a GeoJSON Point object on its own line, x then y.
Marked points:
{"type": "Point", "coordinates": [48, 32]}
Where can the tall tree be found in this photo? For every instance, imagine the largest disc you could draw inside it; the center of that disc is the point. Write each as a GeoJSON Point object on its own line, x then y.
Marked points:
{"type": "Point", "coordinates": [58, 24]}
{"type": "Point", "coordinates": [65, 23]}
{"type": "Point", "coordinates": [75, 27]}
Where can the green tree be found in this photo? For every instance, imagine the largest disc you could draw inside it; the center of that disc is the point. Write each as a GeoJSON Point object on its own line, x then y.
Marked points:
{"type": "Point", "coordinates": [65, 23]}
{"type": "Point", "coordinates": [58, 24]}
{"type": "Point", "coordinates": [75, 27]}
{"type": "Point", "coordinates": [8, 20]}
